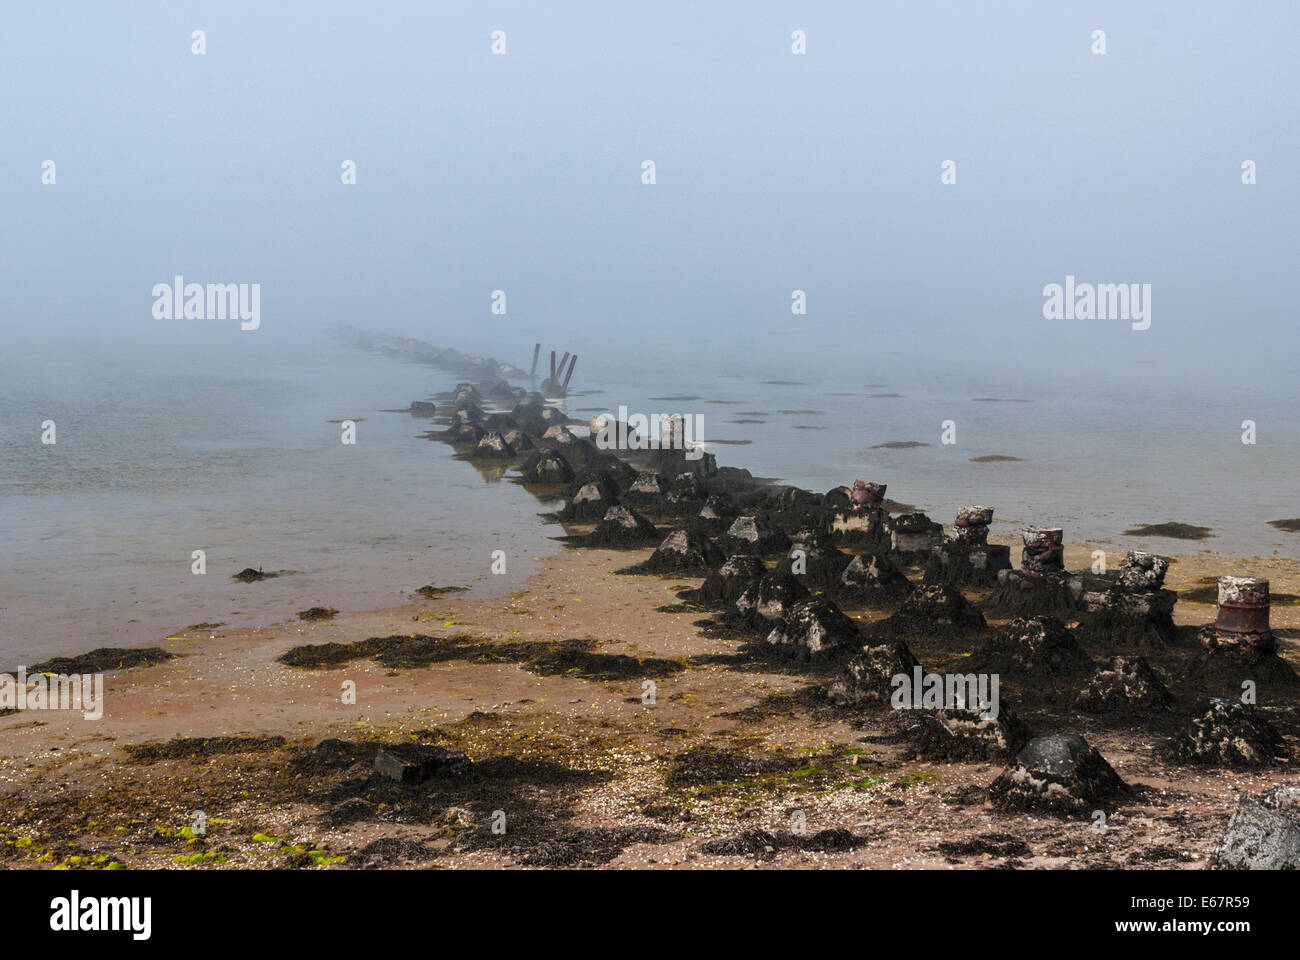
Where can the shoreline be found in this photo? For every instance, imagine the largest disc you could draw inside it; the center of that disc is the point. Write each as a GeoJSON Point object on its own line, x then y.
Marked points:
{"type": "Point", "coordinates": [585, 771]}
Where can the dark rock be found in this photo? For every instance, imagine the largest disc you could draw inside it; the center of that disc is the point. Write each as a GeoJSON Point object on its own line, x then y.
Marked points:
{"type": "Point", "coordinates": [422, 408]}
{"type": "Point", "coordinates": [868, 677]}
{"type": "Point", "coordinates": [915, 533]}
{"type": "Point", "coordinates": [317, 613]}
{"type": "Point", "coordinates": [753, 534]}
{"type": "Point", "coordinates": [647, 490]}
{"type": "Point", "coordinates": [519, 441]}
{"type": "Point", "coordinates": [1041, 646]}
{"type": "Point", "coordinates": [1264, 832]}
{"type": "Point", "coordinates": [465, 433]}
{"type": "Point", "coordinates": [726, 586]}
{"type": "Point", "coordinates": [1058, 773]}
{"type": "Point", "coordinates": [546, 467]}
{"type": "Point", "coordinates": [1125, 683]}
{"type": "Point", "coordinates": [410, 763]}
{"type": "Point", "coordinates": [872, 579]}
{"type": "Point", "coordinates": [591, 500]}
{"type": "Point", "coordinates": [249, 575]}
{"type": "Point", "coordinates": [623, 527]}
{"type": "Point", "coordinates": [493, 446]}
{"type": "Point", "coordinates": [968, 736]}
{"type": "Point", "coordinates": [815, 565]}
{"type": "Point", "coordinates": [683, 551]}
{"type": "Point", "coordinates": [1230, 733]}
{"type": "Point", "coordinates": [932, 609]}
{"type": "Point", "coordinates": [686, 492]}
{"type": "Point", "coordinates": [769, 598]}
{"type": "Point", "coordinates": [814, 628]}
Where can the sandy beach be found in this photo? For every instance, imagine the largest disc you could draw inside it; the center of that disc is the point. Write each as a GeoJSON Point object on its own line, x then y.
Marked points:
{"type": "Point", "coordinates": [584, 770]}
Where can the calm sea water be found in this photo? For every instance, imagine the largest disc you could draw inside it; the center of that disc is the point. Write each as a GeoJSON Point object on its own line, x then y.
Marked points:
{"type": "Point", "coordinates": [236, 455]}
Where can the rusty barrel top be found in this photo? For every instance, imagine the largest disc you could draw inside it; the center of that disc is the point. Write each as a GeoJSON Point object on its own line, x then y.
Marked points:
{"type": "Point", "coordinates": [1243, 605]}
{"type": "Point", "coordinates": [1043, 538]}
{"type": "Point", "coordinates": [868, 492]}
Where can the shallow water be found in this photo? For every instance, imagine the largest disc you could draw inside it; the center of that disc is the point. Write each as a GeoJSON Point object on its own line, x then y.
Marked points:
{"type": "Point", "coordinates": [236, 455]}
{"type": "Point", "coordinates": [236, 458]}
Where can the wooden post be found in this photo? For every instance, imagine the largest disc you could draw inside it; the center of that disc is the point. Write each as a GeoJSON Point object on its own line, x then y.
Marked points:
{"type": "Point", "coordinates": [537, 349]}
{"type": "Point", "coordinates": [552, 364]}
{"type": "Point", "coordinates": [572, 363]}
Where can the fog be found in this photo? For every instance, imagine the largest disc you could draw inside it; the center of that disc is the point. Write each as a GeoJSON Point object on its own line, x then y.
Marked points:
{"type": "Point", "coordinates": [774, 172]}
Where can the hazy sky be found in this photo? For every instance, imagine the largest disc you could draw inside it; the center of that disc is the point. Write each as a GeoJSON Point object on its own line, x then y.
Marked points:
{"type": "Point", "coordinates": [775, 172]}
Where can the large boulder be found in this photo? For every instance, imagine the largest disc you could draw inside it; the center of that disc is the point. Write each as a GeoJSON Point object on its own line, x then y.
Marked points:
{"type": "Point", "coordinates": [686, 493]}
{"type": "Point", "coordinates": [1124, 683]}
{"type": "Point", "coordinates": [717, 514]}
{"type": "Point", "coordinates": [1040, 646]}
{"type": "Point", "coordinates": [1264, 832]}
{"type": "Point", "coordinates": [1058, 773]}
{"type": "Point", "coordinates": [622, 527]}
{"type": "Point", "coordinates": [412, 763]}
{"type": "Point", "coordinates": [728, 583]}
{"type": "Point", "coordinates": [967, 735]}
{"type": "Point", "coordinates": [685, 551]}
{"type": "Point", "coordinates": [1229, 733]}
{"type": "Point", "coordinates": [814, 628]}
{"type": "Point", "coordinates": [872, 579]}
{"type": "Point", "coordinates": [868, 677]}
{"type": "Point", "coordinates": [817, 563]}
{"type": "Point", "coordinates": [546, 467]}
{"type": "Point", "coordinates": [768, 599]}
{"type": "Point", "coordinates": [647, 490]}
{"type": "Point", "coordinates": [935, 609]}
{"type": "Point", "coordinates": [591, 500]}
{"type": "Point", "coordinates": [493, 446]}
{"type": "Point", "coordinates": [753, 534]}
{"type": "Point", "coordinates": [915, 533]}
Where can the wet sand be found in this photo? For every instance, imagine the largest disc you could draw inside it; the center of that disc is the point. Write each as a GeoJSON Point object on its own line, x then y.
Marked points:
{"type": "Point", "coordinates": [596, 775]}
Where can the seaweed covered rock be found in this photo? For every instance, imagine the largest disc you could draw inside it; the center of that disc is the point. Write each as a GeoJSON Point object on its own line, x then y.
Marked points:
{"type": "Point", "coordinates": [1124, 683]}
{"type": "Point", "coordinates": [685, 551]}
{"type": "Point", "coordinates": [872, 579]}
{"type": "Point", "coordinates": [465, 433]}
{"type": "Point", "coordinates": [814, 628]}
{"type": "Point", "coordinates": [673, 463]}
{"type": "Point", "coordinates": [728, 583]}
{"type": "Point", "coordinates": [501, 423]}
{"type": "Point", "coordinates": [519, 441]}
{"type": "Point", "coordinates": [622, 527]}
{"type": "Point", "coordinates": [1133, 608]}
{"type": "Point", "coordinates": [546, 467]}
{"type": "Point", "coordinates": [915, 534]}
{"type": "Point", "coordinates": [967, 735]}
{"type": "Point", "coordinates": [814, 560]}
{"type": "Point", "coordinates": [590, 501]}
{"type": "Point", "coordinates": [647, 490]}
{"type": "Point", "coordinates": [868, 677]}
{"type": "Point", "coordinates": [937, 608]}
{"type": "Point", "coordinates": [753, 534]}
{"type": "Point", "coordinates": [686, 493]}
{"type": "Point", "coordinates": [1041, 646]}
{"type": "Point", "coordinates": [412, 763]}
{"type": "Point", "coordinates": [1229, 733]}
{"type": "Point", "coordinates": [770, 598]}
{"type": "Point", "coordinates": [717, 514]}
{"type": "Point", "coordinates": [493, 446]}
{"type": "Point", "coordinates": [1264, 832]}
{"type": "Point", "coordinates": [1058, 773]}
{"type": "Point", "coordinates": [863, 526]}
{"type": "Point", "coordinates": [1229, 663]}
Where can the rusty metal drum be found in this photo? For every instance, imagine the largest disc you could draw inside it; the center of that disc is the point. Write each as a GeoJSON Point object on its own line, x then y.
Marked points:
{"type": "Point", "coordinates": [1243, 606]}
